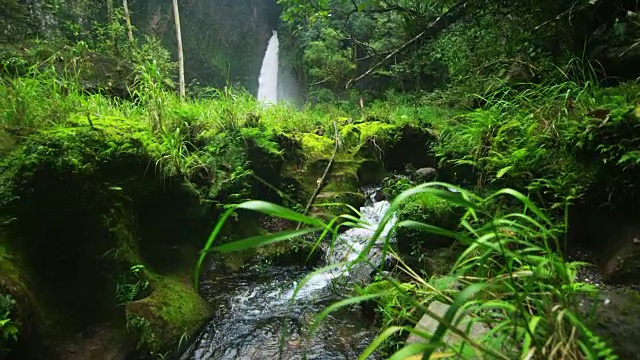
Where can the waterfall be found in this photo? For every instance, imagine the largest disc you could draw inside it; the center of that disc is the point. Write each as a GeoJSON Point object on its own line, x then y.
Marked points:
{"type": "Point", "coordinates": [268, 81]}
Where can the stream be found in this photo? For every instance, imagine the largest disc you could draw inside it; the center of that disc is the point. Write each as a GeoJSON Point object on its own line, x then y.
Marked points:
{"type": "Point", "coordinates": [254, 310]}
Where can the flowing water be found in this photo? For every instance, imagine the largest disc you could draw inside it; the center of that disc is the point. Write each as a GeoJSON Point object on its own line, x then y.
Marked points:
{"type": "Point", "coordinates": [254, 306]}
{"type": "Point", "coordinates": [268, 81]}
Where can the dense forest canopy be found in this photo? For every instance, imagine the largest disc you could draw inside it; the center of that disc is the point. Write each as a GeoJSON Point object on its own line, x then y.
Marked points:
{"type": "Point", "coordinates": [476, 45]}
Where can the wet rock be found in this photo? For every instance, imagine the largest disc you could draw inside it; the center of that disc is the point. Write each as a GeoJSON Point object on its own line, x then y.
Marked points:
{"type": "Point", "coordinates": [474, 329]}
{"type": "Point", "coordinates": [624, 266]}
{"type": "Point", "coordinates": [426, 173]}
{"type": "Point", "coordinates": [615, 311]}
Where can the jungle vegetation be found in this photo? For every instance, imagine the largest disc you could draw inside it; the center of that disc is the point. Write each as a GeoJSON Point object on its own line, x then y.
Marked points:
{"type": "Point", "coordinates": [529, 109]}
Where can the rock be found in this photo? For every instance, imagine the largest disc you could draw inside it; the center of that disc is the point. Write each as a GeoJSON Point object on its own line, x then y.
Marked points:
{"type": "Point", "coordinates": [474, 329]}
{"type": "Point", "coordinates": [616, 319]}
{"type": "Point", "coordinates": [431, 210]}
{"type": "Point", "coordinates": [173, 309]}
{"type": "Point", "coordinates": [426, 173]}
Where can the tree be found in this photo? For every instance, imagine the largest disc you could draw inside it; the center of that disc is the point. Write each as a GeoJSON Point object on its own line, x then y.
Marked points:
{"type": "Point", "coordinates": [176, 15]}
{"type": "Point", "coordinates": [472, 44]}
{"type": "Point", "coordinates": [127, 15]}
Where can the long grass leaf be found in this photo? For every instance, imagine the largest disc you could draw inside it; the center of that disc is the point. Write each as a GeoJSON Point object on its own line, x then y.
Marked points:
{"type": "Point", "coordinates": [260, 240]}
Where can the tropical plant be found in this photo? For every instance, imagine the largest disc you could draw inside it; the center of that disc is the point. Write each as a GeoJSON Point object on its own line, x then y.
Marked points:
{"type": "Point", "coordinates": [130, 285]}
{"type": "Point", "coordinates": [9, 329]}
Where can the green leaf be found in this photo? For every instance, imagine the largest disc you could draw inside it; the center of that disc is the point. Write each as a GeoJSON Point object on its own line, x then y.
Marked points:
{"type": "Point", "coordinates": [260, 240]}
{"type": "Point", "coordinates": [375, 344]}
{"type": "Point", "coordinates": [503, 171]}
{"type": "Point", "coordinates": [340, 304]}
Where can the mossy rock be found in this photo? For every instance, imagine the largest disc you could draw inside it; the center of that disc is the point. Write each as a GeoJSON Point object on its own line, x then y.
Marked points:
{"type": "Point", "coordinates": [433, 262]}
{"type": "Point", "coordinates": [173, 310]}
{"type": "Point", "coordinates": [394, 146]}
{"type": "Point", "coordinates": [428, 209]}
{"type": "Point", "coordinates": [355, 136]}
{"type": "Point", "coordinates": [315, 147]}
{"type": "Point", "coordinates": [76, 194]}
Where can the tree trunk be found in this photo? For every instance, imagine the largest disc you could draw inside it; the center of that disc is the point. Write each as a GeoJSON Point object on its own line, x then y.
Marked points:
{"type": "Point", "coordinates": [127, 15]}
{"type": "Point", "coordinates": [176, 15]}
{"type": "Point", "coordinates": [110, 10]}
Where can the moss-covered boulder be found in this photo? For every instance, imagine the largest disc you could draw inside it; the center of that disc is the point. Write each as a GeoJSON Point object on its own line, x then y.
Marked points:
{"type": "Point", "coordinates": [428, 209]}
{"type": "Point", "coordinates": [172, 311]}
{"type": "Point", "coordinates": [365, 152]}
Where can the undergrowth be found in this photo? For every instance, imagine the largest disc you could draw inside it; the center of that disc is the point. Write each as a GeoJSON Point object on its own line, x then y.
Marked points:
{"type": "Point", "coordinates": [554, 139]}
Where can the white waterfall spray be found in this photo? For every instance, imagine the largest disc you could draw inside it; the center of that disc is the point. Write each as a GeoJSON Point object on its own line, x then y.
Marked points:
{"type": "Point", "coordinates": [268, 81]}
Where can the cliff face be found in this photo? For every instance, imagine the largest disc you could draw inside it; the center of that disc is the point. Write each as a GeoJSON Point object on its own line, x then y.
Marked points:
{"type": "Point", "coordinates": [224, 40]}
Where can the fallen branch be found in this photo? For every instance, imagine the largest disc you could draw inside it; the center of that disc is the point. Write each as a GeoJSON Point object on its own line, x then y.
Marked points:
{"type": "Point", "coordinates": [324, 176]}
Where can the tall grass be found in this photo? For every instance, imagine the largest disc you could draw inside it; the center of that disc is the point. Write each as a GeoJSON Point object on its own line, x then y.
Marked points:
{"type": "Point", "coordinates": [527, 137]}
{"type": "Point", "coordinates": [511, 276]}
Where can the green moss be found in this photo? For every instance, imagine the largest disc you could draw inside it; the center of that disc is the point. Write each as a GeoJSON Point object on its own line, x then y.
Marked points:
{"type": "Point", "coordinates": [431, 210]}
{"type": "Point", "coordinates": [79, 149]}
{"type": "Point", "coordinates": [356, 134]}
{"type": "Point", "coordinates": [316, 147]}
{"type": "Point", "coordinates": [173, 309]}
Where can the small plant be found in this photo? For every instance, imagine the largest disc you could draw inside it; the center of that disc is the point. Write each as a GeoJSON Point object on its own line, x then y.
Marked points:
{"type": "Point", "coordinates": [9, 329]}
{"type": "Point", "coordinates": [131, 285]}
{"type": "Point", "coordinates": [142, 328]}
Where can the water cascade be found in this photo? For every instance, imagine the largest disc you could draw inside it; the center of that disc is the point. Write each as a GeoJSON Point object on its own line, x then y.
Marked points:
{"type": "Point", "coordinates": [268, 81]}
{"type": "Point", "coordinates": [252, 306]}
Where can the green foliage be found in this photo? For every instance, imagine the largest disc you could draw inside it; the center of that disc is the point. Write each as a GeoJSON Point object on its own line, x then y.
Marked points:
{"type": "Point", "coordinates": [475, 50]}
{"type": "Point", "coordinates": [427, 209]}
{"type": "Point", "coordinates": [328, 62]}
{"type": "Point", "coordinates": [9, 329]}
{"type": "Point", "coordinates": [528, 139]}
{"type": "Point", "coordinates": [38, 98]}
{"type": "Point", "coordinates": [131, 285]}
{"type": "Point", "coordinates": [393, 187]}
{"type": "Point", "coordinates": [394, 303]}
{"type": "Point", "coordinates": [142, 328]}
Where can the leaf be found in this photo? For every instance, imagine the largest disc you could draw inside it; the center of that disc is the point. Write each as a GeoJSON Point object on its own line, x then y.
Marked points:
{"type": "Point", "coordinates": [503, 171]}
{"type": "Point", "coordinates": [337, 305]}
{"type": "Point", "coordinates": [410, 350]}
{"type": "Point", "coordinates": [375, 344]}
{"type": "Point", "coordinates": [260, 240]}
